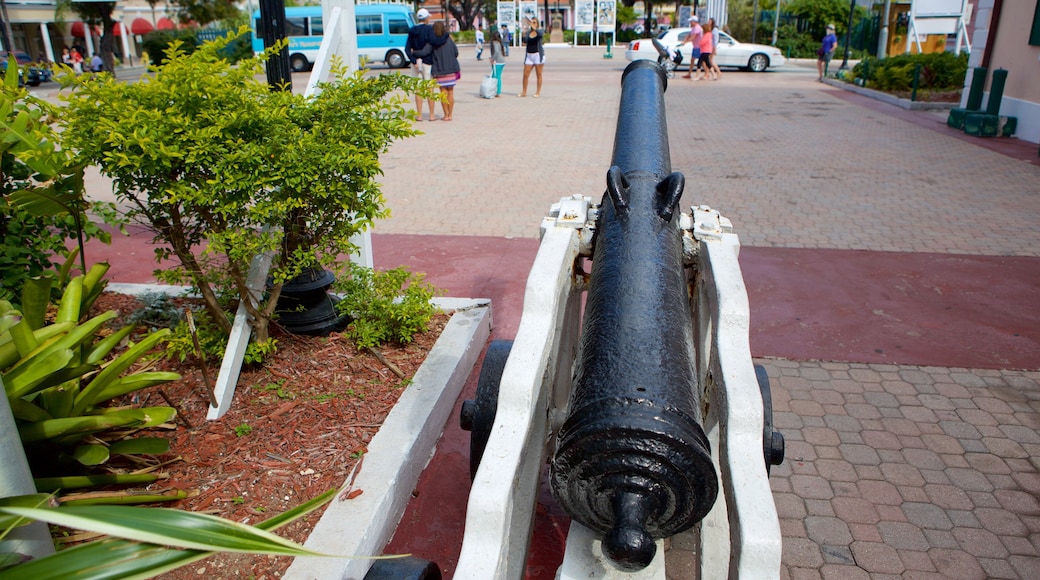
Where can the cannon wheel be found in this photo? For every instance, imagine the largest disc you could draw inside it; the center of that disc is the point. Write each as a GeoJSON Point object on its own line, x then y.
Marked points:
{"type": "Point", "coordinates": [407, 568]}
{"type": "Point", "coordinates": [478, 415]}
{"type": "Point", "coordinates": [772, 441]}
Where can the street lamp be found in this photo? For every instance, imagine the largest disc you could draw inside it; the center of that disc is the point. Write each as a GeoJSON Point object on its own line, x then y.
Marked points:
{"type": "Point", "coordinates": [848, 37]}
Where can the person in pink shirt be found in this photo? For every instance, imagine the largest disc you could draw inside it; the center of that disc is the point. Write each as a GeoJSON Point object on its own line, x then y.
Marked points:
{"type": "Point", "coordinates": [694, 37]}
{"type": "Point", "coordinates": [707, 49]}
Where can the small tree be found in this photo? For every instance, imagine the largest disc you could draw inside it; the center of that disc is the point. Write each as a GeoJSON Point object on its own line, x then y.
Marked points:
{"type": "Point", "coordinates": [223, 169]}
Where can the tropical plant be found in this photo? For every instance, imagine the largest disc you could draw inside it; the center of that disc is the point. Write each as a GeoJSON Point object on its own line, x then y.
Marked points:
{"type": "Point", "coordinates": [58, 377]}
{"type": "Point", "coordinates": [143, 542]}
{"type": "Point", "coordinates": [41, 193]}
{"type": "Point", "coordinates": [938, 71]}
{"type": "Point", "coordinates": [208, 156]}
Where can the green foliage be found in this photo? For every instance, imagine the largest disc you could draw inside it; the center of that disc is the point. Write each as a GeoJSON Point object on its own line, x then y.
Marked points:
{"type": "Point", "coordinates": [939, 71]}
{"type": "Point", "coordinates": [209, 156]}
{"type": "Point", "coordinates": [796, 44]}
{"type": "Point", "coordinates": [212, 341]}
{"type": "Point", "coordinates": [59, 377]}
{"type": "Point", "coordinates": [41, 192]}
{"type": "Point", "coordinates": [242, 430]}
{"type": "Point", "coordinates": [143, 542]}
{"type": "Point", "coordinates": [157, 42]}
{"type": "Point", "coordinates": [388, 306]}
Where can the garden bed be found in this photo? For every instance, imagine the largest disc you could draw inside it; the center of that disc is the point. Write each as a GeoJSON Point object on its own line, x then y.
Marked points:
{"type": "Point", "coordinates": [297, 426]}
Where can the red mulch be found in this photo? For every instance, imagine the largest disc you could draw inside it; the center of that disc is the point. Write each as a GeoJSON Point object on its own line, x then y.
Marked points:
{"type": "Point", "coordinates": [302, 419]}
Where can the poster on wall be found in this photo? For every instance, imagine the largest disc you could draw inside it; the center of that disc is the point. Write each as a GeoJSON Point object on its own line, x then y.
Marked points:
{"type": "Point", "coordinates": [528, 10]}
{"type": "Point", "coordinates": [584, 15]}
{"type": "Point", "coordinates": [605, 15]}
{"type": "Point", "coordinates": [507, 15]}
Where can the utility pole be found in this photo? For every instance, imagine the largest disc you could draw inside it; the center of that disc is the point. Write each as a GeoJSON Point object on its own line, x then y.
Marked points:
{"type": "Point", "coordinates": [882, 49]}
{"type": "Point", "coordinates": [272, 29]}
{"type": "Point", "coordinates": [848, 37]}
{"type": "Point", "coordinates": [776, 23]}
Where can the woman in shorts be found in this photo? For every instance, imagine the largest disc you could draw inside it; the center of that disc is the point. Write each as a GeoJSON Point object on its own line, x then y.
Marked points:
{"type": "Point", "coordinates": [534, 56]}
{"type": "Point", "coordinates": [445, 70]}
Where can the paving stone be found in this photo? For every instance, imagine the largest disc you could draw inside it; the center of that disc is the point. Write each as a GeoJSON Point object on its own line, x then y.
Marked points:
{"type": "Point", "coordinates": [956, 564]}
{"type": "Point", "coordinates": [973, 446]}
{"type": "Point", "coordinates": [898, 388]}
{"type": "Point", "coordinates": [875, 557]}
{"type": "Point", "coordinates": [980, 542]}
{"type": "Point", "coordinates": [1028, 481]}
{"type": "Point", "coordinates": [1002, 482]}
{"type": "Point", "coordinates": [801, 553]}
{"type": "Point", "coordinates": [799, 451]}
{"type": "Point", "coordinates": [997, 568]}
{"type": "Point", "coordinates": [904, 535]}
{"type": "Point", "coordinates": [901, 427]}
{"type": "Point", "coordinates": [865, 532]}
{"type": "Point", "coordinates": [923, 459]}
{"type": "Point", "coordinates": [839, 572]}
{"type": "Point", "coordinates": [837, 554]}
{"type": "Point", "coordinates": [967, 380]}
{"type": "Point", "coordinates": [828, 530]}
{"type": "Point", "coordinates": [952, 390]}
{"type": "Point", "coordinates": [820, 436]}
{"type": "Point", "coordinates": [926, 515]}
{"type": "Point", "coordinates": [883, 399]}
{"type": "Point", "coordinates": [1019, 545]}
{"type": "Point", "coordinates": [987, 463]}
{"type": "Point", "coordinates": [879, 492]}
{"type": "Point", "coordinates": [993, 405]}
{"type": "Point", "coordinates": [1021, 434]}
{"type": "Point", "coordinates": [1018, 502]}
{"type": "Point", "coordinates": [941, 539]}
{"type": "Point", "coordinates": [983, 499]}
{"type": "Point", "coordinates": [789, 505]}
{"type": "Point", "coordinates": [819, 507]}
{"type": "Point", "coordinates": [1004, 447]}
{"type": "Point", "coordinates": [1000, 522]}
{"type": "Point", "coordinates": [805, 574]}
{"type": "Point", "coordinates": [968, 479]}
{"type": "Point", "coordinates": [881, 440]}
{"type": "Point", "coordinates": [843, 423]}
{"type": "Point", "coordinates": [909, 442]}
{"type": "Point", "coordinates": [859, 454]}
{"type": "Point", "coordinates": [916, 560]}
{"type": "Point", "coordinates": [948, 497]}
{"type": "Point", "coordinates": [963, 518]}
{"type": "Point", "coordinates": [955, 460]}
{"type": "Point", "coordinates": [919, 414]}
{"type": "Point", "coordinates": [976, 417]}
{"type": "Point", "coordinates": [792, 528]}
{"type": "Point", "coordinates": [934, 476]}
{"type": "Point", "coordinates": [827, 397]}
{"type": "Point", "coordinates": [1027, 567]}
{"type": "Point", "coordinates": [902, 475]}
{"type": "Point", "coordinates": [916, 376]}
{"type": "Point", "coordinates": [869, 472]}
{"type": "Point", "coordinates": [890, 456]}
{"type": "Point", "coordinates": [960, 430]}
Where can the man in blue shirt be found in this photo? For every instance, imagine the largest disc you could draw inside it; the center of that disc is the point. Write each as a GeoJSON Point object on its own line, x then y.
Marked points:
{"type": "Point", "coordinates": [826, 51]}
{"type": "Point", "coordinates": [418, 37]}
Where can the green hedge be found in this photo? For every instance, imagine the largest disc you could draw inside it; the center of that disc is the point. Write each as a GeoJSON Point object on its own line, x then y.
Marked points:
{"type": "Point", "coordinates": [939, 71]}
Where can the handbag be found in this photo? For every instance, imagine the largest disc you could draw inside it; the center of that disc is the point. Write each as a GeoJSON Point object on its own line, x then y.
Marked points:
{"type": "Point", "coordinates": [488, 87]}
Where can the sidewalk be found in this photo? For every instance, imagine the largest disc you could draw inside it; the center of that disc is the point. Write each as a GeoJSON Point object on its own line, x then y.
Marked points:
{"type": "Point", "coordinates": [893, 272]}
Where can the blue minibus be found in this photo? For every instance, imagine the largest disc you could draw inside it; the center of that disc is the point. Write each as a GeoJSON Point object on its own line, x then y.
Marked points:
{"type": "Point", "coordinates": [382, 32]}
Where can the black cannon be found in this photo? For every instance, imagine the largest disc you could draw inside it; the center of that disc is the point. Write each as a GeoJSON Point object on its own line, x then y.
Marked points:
{"type": "Point", "coordinates": [632, 461]}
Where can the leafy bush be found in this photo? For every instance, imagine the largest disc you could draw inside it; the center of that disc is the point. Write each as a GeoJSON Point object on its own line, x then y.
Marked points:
{"type": "Point", "coordinates": [41, 192]}
{"type": "Point", "coordinates": [158, 42]}
{"type": "Point", "coordinates": [209, 156]}
{"type": "Point", "coordinates": [939, 71]}
{"type": "Point", "coordinates": [388, 306]}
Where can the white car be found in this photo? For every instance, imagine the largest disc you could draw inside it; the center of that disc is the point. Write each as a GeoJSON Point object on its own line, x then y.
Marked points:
{"type": "Point", "coordinates": [731, 53]}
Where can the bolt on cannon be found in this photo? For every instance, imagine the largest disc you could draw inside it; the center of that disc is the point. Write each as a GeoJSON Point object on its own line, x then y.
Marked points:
{"type": "Point", "coordinates": [646, 405]}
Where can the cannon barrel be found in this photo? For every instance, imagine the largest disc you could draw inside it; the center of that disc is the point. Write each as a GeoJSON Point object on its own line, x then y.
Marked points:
{"type": "Point", "coordinates": [632, 461]}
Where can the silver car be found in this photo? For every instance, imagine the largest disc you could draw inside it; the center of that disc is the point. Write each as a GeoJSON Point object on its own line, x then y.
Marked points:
{"type": "Point", "coordinates": [730, 52]}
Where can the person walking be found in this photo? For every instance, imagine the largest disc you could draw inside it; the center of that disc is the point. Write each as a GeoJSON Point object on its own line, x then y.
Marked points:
{"type": "Point", "coordinates": [418, 37]}
{"type": "Point", "coordinates": [694, 38]}
{"type": "Point", "coordinates": [77, 60]}
{"type": "Point", "coordinates": [825, 52]}
{"type": "Point", "coordinates": [715, 36]}
{"type": "Point", "coordinates": [507, 38]}
{"type": "Point", "coordinates": [706, 52]}
{"type": "Point", "coordinates": [445, 68]}
{"type": "Point", "coordinates": [498, 59]}
{"type": "Point", "coordinates": [480, 42]}
{"type": "Point", "coordinates": [534, 56]}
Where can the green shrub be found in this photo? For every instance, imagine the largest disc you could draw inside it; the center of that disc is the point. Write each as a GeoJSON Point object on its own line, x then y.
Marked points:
{"type": "Point", "coordinates": [939, 71]}
{"type": "Point", "coordinates": [388, 306]}
{"type": "Point", "coordinates": [41, 193]}
{"type": "Point", "coordinates": [157, 42]}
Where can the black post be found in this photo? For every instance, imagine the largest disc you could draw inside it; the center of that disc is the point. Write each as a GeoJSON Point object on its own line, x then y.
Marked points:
{"type": "Point", "coordinates": [272, 29]}
{"type": "Point", "coordinates": [848, 37]}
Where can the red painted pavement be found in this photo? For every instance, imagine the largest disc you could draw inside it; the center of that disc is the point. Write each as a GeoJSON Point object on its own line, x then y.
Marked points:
{"type": "Point", "coordinates": [897, 308]}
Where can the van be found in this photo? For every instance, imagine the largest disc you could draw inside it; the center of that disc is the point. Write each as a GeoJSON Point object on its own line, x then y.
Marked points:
{"type": "Point", "coordinates": [382, 33]}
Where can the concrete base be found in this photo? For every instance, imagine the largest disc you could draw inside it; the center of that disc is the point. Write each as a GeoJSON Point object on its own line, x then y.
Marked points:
{"type": "Point", "coordinates": [359, 528]}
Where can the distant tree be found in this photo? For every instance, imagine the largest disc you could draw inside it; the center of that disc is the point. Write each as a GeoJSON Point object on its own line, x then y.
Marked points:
{"type": "Point", "coordinates": [205, 11]}
{"type": "Point", "coordinates": [91, 14]}
{"type": "Point", "coordinates": [465, 11]}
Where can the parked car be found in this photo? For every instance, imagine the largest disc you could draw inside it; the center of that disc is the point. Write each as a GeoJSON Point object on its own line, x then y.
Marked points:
{"type": "Point", "coordinates": [731, 52]}
{"type": "Point", "coordinates": [28, 73]}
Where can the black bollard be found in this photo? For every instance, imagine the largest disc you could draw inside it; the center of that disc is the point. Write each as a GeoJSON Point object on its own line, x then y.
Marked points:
{"type": "Point", "coordinates": [633, 462]}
